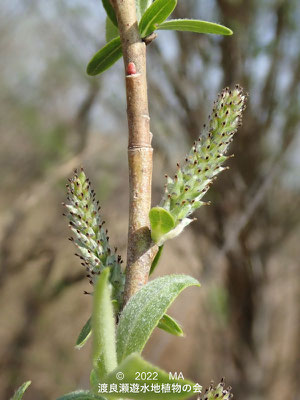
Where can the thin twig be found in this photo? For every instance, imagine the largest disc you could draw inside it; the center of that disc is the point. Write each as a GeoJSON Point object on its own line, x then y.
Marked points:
{"type": "Point", "coordinates": [140, 251]}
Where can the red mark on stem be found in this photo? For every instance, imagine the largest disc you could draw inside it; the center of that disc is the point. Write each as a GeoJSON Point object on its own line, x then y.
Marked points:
{"type": "Point", "coordinates": [131, 70]}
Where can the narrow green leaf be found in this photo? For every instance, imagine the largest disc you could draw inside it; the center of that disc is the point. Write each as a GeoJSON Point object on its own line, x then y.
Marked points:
{"type": "Point", "coordinates": [86, 331]}
{"type": "Point", "coordinates": [157, 13]}
{"type": "Point", "coordinates": [110, 11]}
{"type": "Point", "coordinates": [20, 391]}
{"type": "Point", "coordinates": [173, 233]}
{"type": "Point", "coordinates": [95, 380]}
{"type": "Point", "coordinates": [161, 222]}
{"type": "Point", "coordinates": [105, 57]}
{"type": "Point", "coordinates": [133, 366]}
{"type": "Point", "coordinates": [169, 325]}
{"type": "Point", "coordinates": [145, 309]}
{"type": "Point", "coordinates": [103, 325]}
{"type": "Point", "coordinates": [194, 25]}
{"type": "Point", "coordinates": [111, 30]}
{"type": "Point", "coordinates": [84, 334]}
{"type": "Point", "coordinates": [81, 395]}
{"type": "Point", "coordinates": [156, 259]}
{"type": "Point", "coordinates": [141, 7]}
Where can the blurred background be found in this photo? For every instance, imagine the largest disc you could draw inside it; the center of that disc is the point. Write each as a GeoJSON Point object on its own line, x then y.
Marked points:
{"type": "Point", "coordinates": [244, 322]}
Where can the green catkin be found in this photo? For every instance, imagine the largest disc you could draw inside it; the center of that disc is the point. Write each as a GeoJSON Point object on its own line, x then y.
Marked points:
{"type": "Point", "coordinates": [90, 235]}
{"type": "Point", "coordinates": [217, 393]}
{"type": "Point", "coordinates": [184, 192]}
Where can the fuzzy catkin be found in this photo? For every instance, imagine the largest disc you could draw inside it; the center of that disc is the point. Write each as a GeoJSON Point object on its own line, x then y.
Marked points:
{"type": "Point", "coordinates": [91, 237]}
{"type": "Point", "coordinates": [184, 192]}
{"type": "Point", "coordinates": [217, 393]}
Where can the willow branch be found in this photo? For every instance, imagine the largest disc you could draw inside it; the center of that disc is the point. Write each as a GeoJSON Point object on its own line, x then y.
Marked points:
{"type": "Point", "coordinates": [141, 250]}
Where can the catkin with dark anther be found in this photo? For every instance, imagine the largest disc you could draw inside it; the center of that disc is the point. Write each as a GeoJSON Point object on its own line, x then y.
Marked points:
{"type": "Point", "coordinates": [184, 192]}
{"type": "Point", "coordinates": [90, 236]}
{"type": "Point", "coordinates": [217, 393]}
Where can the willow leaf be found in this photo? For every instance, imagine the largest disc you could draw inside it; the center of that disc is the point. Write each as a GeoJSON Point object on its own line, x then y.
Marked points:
{"type": "Point", "coordinates": [105, 57]}
{"type": "Point", "coordinates": [194, 25]}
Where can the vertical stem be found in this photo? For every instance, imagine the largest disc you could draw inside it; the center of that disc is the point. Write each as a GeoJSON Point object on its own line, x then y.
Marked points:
{"type": "Point", "coordinates": [141, 250]}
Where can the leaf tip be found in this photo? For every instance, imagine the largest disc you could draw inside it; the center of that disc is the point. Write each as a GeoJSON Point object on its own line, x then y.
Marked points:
{"type": "Point", "coordinates": [89, 70]}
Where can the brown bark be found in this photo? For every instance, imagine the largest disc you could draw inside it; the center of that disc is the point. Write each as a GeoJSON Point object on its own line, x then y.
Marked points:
{"type": "Point", "coordinates": [140, 251]}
